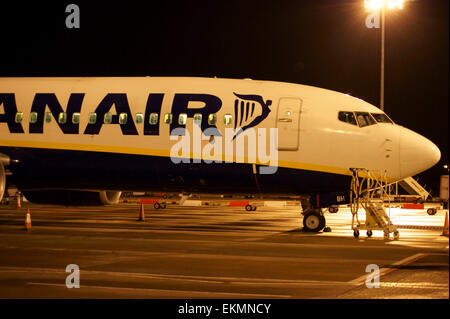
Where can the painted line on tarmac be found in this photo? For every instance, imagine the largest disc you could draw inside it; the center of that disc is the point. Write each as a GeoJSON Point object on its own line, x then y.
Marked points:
{"type": "Point", "coordinates": [172, 292]}
{"type": "Point", "coordinates": [414, 285]}
{"type": "Point", "coordinates": [238, 281]}
{"type": "Point", "coordinates": [385, 271]}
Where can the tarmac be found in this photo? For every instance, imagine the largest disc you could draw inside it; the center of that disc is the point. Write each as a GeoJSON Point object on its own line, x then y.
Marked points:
{"type": "Point", "coordinates": [215, 252]}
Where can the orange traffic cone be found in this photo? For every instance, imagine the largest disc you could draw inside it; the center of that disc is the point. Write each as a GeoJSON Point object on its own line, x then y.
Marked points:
{"type": "Point", "coordinates": [445, 230]}
{"type": "Point", "coordinates": [18, 205]}
{"type": "Point", "coordinates": [28, 220]}
{"type": "Point", "coordinates": [141, 214]}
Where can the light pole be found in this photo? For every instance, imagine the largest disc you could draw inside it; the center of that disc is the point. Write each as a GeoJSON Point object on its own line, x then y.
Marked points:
{"type": "Point", "coordinates": [383, 19]}
{"type": "Point", "coordinates": [380, 6]}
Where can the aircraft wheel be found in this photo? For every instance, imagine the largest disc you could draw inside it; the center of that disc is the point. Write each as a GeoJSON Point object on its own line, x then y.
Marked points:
{"type": "Point", "coordinates": [163, 205]}
{"type": "Point", "coordinates": [254, 208]}
{"type": "Point", "coordinates": [248, 207]}
{"type": "Point", "coordinates": [431, 211]}
{"type": "Point", "coordinates": [356, 233]}
{"type": "Point", "coordinates": [313, 221]}
{"type": "Point", "coordinates": [369, 233]}
{"type": "Point", "coordinates": [156, 205]}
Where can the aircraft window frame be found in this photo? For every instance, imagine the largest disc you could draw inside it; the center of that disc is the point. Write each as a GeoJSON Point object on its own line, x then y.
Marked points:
{"type": "Point", "coordinates": [19, 117]}
{"type": "Point", "coordinates": [107, 118]}
{"type": "Point", "coordinates": [198, 118]}
{"type": "Point", "coordinates": [357, 114]}
{"type": "Point", "coordinates": [346, 120]}
{"type": "Point", "coordinates": [48, 117]}
{"type": "Point", "coordinates": [182, 119]}
{"type": "Point", "coordinates": [33, 117]}
{"type": "Point", "coordinates": [123, 118]}
{"type": "Point", "coordinates": [168, 118]}
{"type": "Point", "coordinates": [212, 119]}
{"type": "Point", "coordinates": [228, 119]}
{"type": "Point", "coordinates": [92, 118]}
{"type": "Point", "coordinates": [139, 118]}
{"type": "Point", "coordinates": [154, 118]}
{"type": "Point", "coordinates": [76, 118]}
{"type": "Point", "coordinates": [384, 115]}
{"type": "Point", "coordinates": [62, 118]}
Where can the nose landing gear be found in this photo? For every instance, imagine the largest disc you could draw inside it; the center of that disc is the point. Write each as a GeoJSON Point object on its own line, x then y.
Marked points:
{"type": "Point", "coordinates": [313, 220]}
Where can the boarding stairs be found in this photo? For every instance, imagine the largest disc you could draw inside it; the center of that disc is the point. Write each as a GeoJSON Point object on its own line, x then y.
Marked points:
{"type": "Point", "coordinates": [413, 187]}
{"type": "Point", "coordinates": [365, 186]}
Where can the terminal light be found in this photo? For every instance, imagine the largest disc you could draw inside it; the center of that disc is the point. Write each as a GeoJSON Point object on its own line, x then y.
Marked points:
{"type": "Point", "coordinates": [373, 5]}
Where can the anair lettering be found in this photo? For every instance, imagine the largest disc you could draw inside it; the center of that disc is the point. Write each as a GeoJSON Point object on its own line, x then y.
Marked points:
{"type": "Point", "coordinates": [250, 110]}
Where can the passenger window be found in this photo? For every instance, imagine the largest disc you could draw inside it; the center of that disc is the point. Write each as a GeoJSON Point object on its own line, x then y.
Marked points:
{"type": "Point", "coordinates": [227, 119]}
{"type": "Point", "coordinates": [76, 118]}
{"type": "Point", "coordinates": [48, 117]}
{"type": "Point", "coordinates": [33, 117]}
{"type": "Point", "coordinates": [123, 118]}
{"type": "Point", "coordinates": [212, 119]}
{"type": "Point", "coordinates": [182, 119]}
{"type": "Point", "coordinates": [139, 118]}
{"type": "Point", "coordinates": [92, 118]}
{"type": "Point", "coordinates": [347, 117]}
{"type": "Point", "coordinates": [168, 118]}
{"type": "Point", "coordinates": [198, 118]}
{"type": "Point", "coordinates": [381, 118]}
{"type": "Point", "coordinates": [107, 119]}
{"type": "Point", "coordinates": [19, 117]}
{"type": "Point", "coordinates": [154, 118]}
{"type": "Point", "coordinates": [62, 118]}
{"type": "Point", "coordinates": [364, 119]}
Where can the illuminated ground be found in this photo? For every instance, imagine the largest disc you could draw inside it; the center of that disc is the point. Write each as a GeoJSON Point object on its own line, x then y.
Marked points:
{"type": "Point", "coordinates": [213, 252]}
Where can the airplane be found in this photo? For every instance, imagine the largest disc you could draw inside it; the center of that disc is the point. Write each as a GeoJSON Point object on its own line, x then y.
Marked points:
{"type": "Point", "coordinates": [81, 141]}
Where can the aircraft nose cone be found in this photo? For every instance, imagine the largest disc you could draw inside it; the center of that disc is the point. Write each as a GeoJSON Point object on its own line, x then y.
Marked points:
{"type": "Point", "coordinates": [417, 153]}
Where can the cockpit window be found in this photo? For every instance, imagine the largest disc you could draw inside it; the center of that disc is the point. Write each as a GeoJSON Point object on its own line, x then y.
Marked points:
{"type": "Point", "coordinates": [381, 118]}
{"type": "Point", "coordinates": [347, 117]}
{"type": "Point", "coordinates": [364, 119]}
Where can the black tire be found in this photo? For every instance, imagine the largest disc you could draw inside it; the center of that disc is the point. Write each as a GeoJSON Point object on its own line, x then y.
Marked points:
{"type": "Point", "coordinates": [156, 205]}
{"type": "Point", "coordinates": [369, 233]}
{"type": "Point", "coordinates": [356, 233]}
{"type": "Point", "coordinates": [431, 211]}
{"type": "Point", "coordinates": [163, 205]}
{"type": "Point", "coordinates": [254, 208]}
{"type": "Point", "coordinates": [248, 207]}
{"type": "Point", "coordinates": [313, 221]}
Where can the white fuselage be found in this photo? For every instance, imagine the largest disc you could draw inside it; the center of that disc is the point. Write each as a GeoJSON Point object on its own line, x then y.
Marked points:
{"type": "Point", "coordinates": [310, 135]}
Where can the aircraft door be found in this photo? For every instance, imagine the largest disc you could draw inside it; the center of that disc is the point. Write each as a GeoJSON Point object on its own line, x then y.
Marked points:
{"type": "Point", "coordinates": [288, 123]}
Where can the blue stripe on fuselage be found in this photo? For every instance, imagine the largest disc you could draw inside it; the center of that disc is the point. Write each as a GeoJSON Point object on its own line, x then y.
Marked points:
{"type": "Point", "coordinates": [48, 168]}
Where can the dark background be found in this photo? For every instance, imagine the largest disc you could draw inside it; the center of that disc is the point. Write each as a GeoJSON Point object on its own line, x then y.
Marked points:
{"type": "Point", "coordinates": [322, 43]}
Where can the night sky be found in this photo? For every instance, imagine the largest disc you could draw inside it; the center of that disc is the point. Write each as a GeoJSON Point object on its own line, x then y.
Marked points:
{"type": "Point", "coordinates": [320, 43]}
